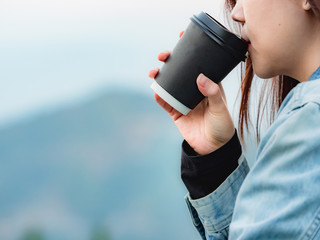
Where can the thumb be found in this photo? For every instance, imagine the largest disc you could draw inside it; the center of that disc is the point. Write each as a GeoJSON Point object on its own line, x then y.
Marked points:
{"type": "Point", "coordinates": [211, 90]}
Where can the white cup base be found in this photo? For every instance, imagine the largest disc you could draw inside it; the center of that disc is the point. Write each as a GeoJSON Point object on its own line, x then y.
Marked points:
{"type": "Point", "coordinates": [169, 99]}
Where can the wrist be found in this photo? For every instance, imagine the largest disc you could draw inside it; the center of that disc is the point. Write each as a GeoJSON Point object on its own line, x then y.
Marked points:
{"type": "Point", "coordinates": [203, 174]}
{"type": "Point", "coordinates": [213, 144]}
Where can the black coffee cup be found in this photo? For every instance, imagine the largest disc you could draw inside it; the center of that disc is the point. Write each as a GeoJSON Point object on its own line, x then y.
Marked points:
{"type": "Point", "coordinates": [205, 47]}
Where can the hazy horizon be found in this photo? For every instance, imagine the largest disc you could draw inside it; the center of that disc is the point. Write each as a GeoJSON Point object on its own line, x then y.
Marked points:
{"type": "Point", "coordinates": [54, 52]}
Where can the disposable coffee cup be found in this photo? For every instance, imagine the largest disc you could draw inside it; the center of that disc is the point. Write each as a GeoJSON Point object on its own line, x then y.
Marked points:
{"type": "Point", "coordinates": [205, 47]}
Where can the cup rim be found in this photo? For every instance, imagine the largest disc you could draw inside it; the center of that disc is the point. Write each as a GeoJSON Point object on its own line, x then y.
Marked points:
{"type": "Point", "coordinates": [221, 34]}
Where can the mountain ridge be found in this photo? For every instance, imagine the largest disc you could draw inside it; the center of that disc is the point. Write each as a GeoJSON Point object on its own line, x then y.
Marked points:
{"type": "Point", "coordinates": [111, 160]}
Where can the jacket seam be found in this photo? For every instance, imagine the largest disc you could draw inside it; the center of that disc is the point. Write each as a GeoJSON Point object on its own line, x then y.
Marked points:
{"type": "Point", "coordinates": [313, 227]}
{"type": "Point", "coordinates": [242, 172]}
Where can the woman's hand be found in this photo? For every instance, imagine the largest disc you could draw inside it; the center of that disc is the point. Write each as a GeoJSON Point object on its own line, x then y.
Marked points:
{"type": "Point", "coordinates": [207, 127]}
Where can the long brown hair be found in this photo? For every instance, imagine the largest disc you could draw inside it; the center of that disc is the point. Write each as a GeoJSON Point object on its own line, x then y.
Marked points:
{"type": "Point", "coordinates": [279, 87]}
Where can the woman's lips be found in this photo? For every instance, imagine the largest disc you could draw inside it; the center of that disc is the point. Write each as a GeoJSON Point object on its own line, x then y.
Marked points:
{"type": "Point", "coordinates": [245, 40]}
{"type": "Point", "coordinates": [249, 44]}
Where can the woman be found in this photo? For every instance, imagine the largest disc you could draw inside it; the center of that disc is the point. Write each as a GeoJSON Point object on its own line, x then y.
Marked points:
{"type": "Point", "coordinates": [279, 197]}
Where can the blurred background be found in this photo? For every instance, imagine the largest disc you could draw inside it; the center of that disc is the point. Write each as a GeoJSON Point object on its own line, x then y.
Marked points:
{"type": "Point", "coordinates": [85, 152]}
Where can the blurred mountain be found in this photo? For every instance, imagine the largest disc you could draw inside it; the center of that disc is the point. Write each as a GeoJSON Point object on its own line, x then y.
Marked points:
{"type": "Point", "coordinates": [110, 162]}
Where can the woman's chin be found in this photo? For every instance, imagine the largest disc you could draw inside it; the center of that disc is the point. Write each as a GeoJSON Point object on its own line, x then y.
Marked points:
{"type": "Point", "coordinates": [263, 72]}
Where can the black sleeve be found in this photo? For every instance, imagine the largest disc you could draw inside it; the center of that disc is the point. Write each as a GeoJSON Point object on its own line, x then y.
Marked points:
{"type": "Point", "coordinates": [203, 174]}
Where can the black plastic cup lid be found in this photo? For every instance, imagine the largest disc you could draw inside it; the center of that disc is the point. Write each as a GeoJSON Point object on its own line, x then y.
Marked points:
{"type": "Point", "coordinates": [221, 35]}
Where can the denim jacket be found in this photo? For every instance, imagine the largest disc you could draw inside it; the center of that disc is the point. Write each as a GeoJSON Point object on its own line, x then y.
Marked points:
{"type": "Point", "coordinates": [279, 197]}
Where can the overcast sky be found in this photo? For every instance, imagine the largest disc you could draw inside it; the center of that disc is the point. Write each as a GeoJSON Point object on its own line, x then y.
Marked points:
{"type": "Point", "coordinates": [56, 51]}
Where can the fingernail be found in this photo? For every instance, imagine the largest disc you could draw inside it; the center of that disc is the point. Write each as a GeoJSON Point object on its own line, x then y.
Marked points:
{"type": "Point", "coordinates": [153, 73]}
{"type": "Point", "coordinates": [202, 80]}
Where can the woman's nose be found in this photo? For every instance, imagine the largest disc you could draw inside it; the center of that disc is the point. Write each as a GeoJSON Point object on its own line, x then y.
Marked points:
{"type": "Point", "coordinates": [237, 12]}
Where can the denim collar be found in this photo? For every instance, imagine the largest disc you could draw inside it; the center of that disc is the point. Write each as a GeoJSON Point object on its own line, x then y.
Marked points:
{"type": "Point", "coordinates": [315, 75]}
